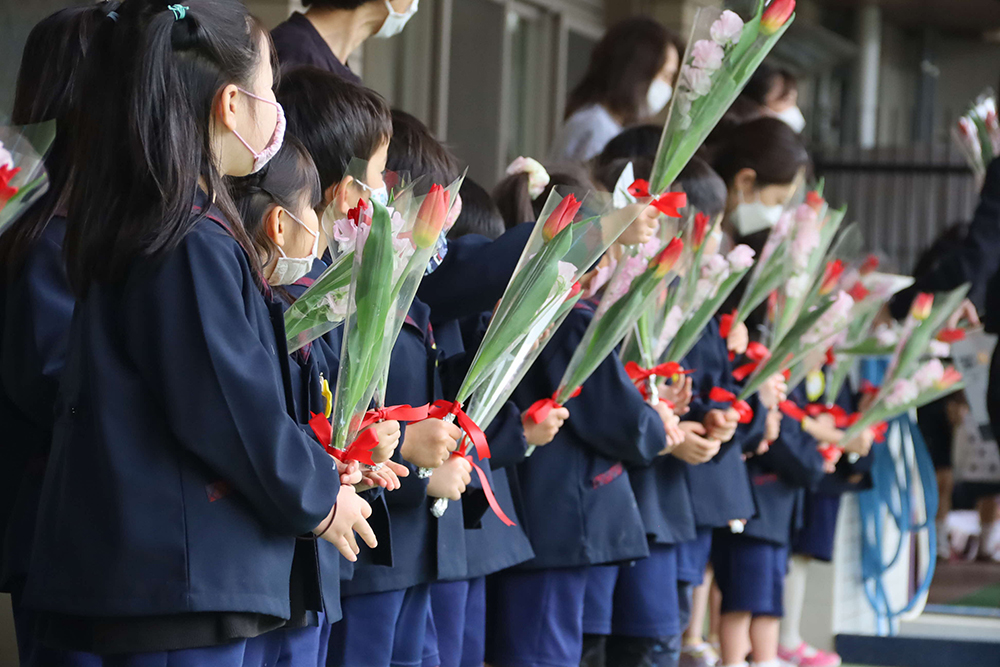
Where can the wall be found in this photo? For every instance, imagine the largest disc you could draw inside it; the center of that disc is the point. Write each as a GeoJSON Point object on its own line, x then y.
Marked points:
{"type": "Point", "coordinates": [966, 69]}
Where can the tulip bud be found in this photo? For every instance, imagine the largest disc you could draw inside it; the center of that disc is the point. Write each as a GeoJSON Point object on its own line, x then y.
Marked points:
{"type": "Point", "coordinates": [561, 217]}
{"type": "Point", "coordinates": [431, 217]}
{"type": "Point", "coordinates": [776, 15]}
{"type": "Point", "coordinates": [700, 229]}
{"type": "Point", "coordinates": [815, 201]}
{"type": "Point", "coordinates": [7, 173]}
{"type": "Point", "coordinates": [921, 308]}
{"type": "Point", "coordinates": [950, 378]}
{"type": "Point", "coordinates": [951, 335]}
{"type": "Point", "coordinates": [639, 189]}
{"type": "Point", "coordinates": [665, 261]}
{"type": "Point", "coordinates": [870, 264]}
{"type": "Point", "coordinates": [859, 292]}
{"type": "Point", "coordinates": [831, 276]}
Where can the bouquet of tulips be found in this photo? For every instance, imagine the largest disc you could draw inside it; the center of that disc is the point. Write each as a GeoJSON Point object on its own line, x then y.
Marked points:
{"type": "Point", "coordinates": [912, 380]}
{"type": "Point", "coordinates": [570, 237]}
{"type": "Point", "coordinates": [23, 178]}
{"type": "Point", "coordinates": [723, 52]}
{"type": "Point", "coordinates": [387, 268]}
{"type": "Point", "coordinates": [978, 134]}
{"type": "Point", "coordinates": [325, 305]}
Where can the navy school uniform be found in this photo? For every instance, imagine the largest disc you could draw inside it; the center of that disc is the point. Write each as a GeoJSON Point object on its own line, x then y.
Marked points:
{"type": "Point", "coordinates": [822, 505]}
{"type": "Point", "coordinates": [175, 467]}
{"type": "Point", "coordinates": [385, 605]}
{"type": "Point", "coordinates": [579, 509]}
{"type": "Point", "coordinates": [720, 488]}
{"type": "Point", "coordinates": [750, 567]}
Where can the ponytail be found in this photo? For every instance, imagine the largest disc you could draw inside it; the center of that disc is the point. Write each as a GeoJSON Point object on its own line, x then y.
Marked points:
{"type": "Point", "coordinates": [144, 138]}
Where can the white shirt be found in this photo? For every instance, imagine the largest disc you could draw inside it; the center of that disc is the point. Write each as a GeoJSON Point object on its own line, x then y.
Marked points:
{"type": "Point", "coordinates": [584, 134]}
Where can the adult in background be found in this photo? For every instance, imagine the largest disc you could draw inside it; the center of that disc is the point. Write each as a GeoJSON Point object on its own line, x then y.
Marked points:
{"type": "Point", "coordinates": [771, 91]}
{"type": "Point", "coordinates": [331, 30]}
{"type": "Point", "coordinates": [630, 78]}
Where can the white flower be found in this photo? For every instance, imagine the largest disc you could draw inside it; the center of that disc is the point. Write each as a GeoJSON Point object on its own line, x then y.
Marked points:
{"type": "Point", "coordinates": [698, 81]}
{"type": "Point", "coordinates": [939, 349]}
{"type": "Point", "coordinates": [727, 28]}
{"type": "Point", "coordinates": [715, 268]}
{"type": "Point", "coordinates": [740, 258]}
{"type": "Point", "coordinates": [903, 391]}
{"type": "Point", "coordinates": [830, 324]}
{"type": "Point", "coordinates": [886, 335]}
{"type": "Point", "coordinates": [675, 318]}
{"type": "Point", "coordinates": [704, 290]}
{"type": "Point", "coordinates": [929, 374]}
{"type": "Point", "coordinates": [538, 178]}
{"type": "Point", "coordinates": [6, 159]}
{"type": "Point", "coordinates": [707, 55]}
{"type": "Point", "coordinates": [805, 242]}
{"type": "Point", "coordinates": [796, 286]}
{"type": "Point", "coordinates": [336, 304]}
{"type": "Point", "coordinates": [567, 270]}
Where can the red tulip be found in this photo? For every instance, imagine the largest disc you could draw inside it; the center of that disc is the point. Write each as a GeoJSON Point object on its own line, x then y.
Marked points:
{"type": "Point", "coordinates": [561, 218]}
{"type": "Point", "coordinates": [639, 188]}
{"type": "Point", "coordinates": [815, 201]}
{"type": "Point", "coordinates": [831, 276]}
{"type": "Point", "coordinates": [870, 264]}
{"type": "Point", "coordinates": [669, 202]}
{"type": "Point", "coordinates": [921, 308]}
{"type": "Point", "coordinates": [776, 15]}
{"type": "Point", "coordinates": [950, 378]}
{"type": "Point", "coordinates": [859, 292]}
{"type": "Point", "coordinates": [700, 229]}
{"type": "Point", "coordinates": [7, 173]}
{"type": "Point", "coordinates": [951, 335]}
{"type": "Point", "coordinates": [665, 261]}
{"type": "Point", "coordinates": [431, 217]}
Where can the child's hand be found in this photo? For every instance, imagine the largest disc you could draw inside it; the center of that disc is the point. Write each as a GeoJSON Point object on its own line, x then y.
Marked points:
{"type": "Point", "coordinates": [678, 393]}
{"type": "Point", "coordinates": [671, 425]}
{"type": "Point", "coordinates": [738, 339]}
{"type": "Point", "coordinates": [542, 434]}
{"type": "Point", "coordinates": [347, 517]}
{"type": "Point", "coordinates": [429, 443]}
{"type": "Point", "coordinates": [862, 444]}
{"type": "Point", "coordinates": [773, 428]}
{"type": "Point", "coordinates": [641, 231]}
{"type": "Point", "coordinates": [386, 477]}
{"type": "Point", "coordinates": [830, 464]}
{"type": "Point", "coordinates": [773, 391]}
{"type": "Point", "coordinates": [721, 424]}
{"type": "Point", "coordinates": [822, 430]}
{"type": "Point", "coordinates": [350, 472]}
{"type": "Point", "coordinates": [450, 479]}
{"type": "Point", "coordinates": [695, 448]}
{"type": "Point", "coordinates": [388, 440]}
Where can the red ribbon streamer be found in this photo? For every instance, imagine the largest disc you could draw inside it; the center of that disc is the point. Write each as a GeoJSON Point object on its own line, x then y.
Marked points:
{"type": "Point", "coordinates": [539, 410]}
{"type": "Point", "coordinates": [488, 492]}
{"type": "Point", "coordinates": [720, 395]}
{"type": "Point", "coordinates": [667, 203]}
{"type": "Point", "coordinates": [830, 452]}
{"type": "Point", "coordinates": [757, 353]}
{"type": "Point", "coordinates": [726, 324]}
{"type": "Point", "coordinates": [879, 430]}
{"type": "Point", "coordinates": [399, 413]}
{"type": "Point", "coordinates": [792, 411]}
{"type": "Point", "coordinates": [868, 388]}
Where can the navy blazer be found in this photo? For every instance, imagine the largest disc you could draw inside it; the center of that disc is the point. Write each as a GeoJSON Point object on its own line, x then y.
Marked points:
{"type": "Point", "coordinates": [781, 476]}
{"type": "Point", "coordinates": [36, 309]}
{"type": "Point", "coordinates": [664, 499]}
{"type": "Point", "coordinates": [578, 504]}
{"type": "Point", "coordinates": [720, 488]}
{"type": "Point", "coordinates": [844, 479]}
{"type": "Point", "coordinates": [177, 481]}
{"type": "Point", "coordinates": [423, 548]}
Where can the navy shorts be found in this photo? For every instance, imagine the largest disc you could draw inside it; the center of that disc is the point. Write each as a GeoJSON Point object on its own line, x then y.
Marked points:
{"type": "Point", "coordinates": [693, 556]}
{"type": "Point", "coordinates": [750, 573]}
{"type": "Point", "coordinates": [818, 527]}
{"type": "Point", "coordinates": [456, 627]}
{"type": "Point", "coordinates": [598, 601]}
{"type": "Point", "coordinates": [381, 629]}
{"type": "Point", "coordinates": [304, 646]}
{"type": "Point", "coordinates": [535, 617]}
{"type": "Point", "coordinates": [645, 602]}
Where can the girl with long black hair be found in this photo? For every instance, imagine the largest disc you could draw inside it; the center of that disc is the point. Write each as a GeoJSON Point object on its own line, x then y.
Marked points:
{"type": "Point", "coordinates": [176, 469]}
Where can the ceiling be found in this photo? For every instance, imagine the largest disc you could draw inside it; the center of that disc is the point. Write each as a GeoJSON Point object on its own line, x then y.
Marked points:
{"type": "Point", "coordinates": [963, 16]}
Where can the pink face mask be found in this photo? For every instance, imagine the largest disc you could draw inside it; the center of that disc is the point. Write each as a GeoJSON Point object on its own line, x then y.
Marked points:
{"type": "Point", "coordinates": [277, 139]}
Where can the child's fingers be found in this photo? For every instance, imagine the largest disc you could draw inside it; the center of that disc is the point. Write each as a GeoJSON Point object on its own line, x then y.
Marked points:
{"type": "Point", "coordinates": [366, 533]}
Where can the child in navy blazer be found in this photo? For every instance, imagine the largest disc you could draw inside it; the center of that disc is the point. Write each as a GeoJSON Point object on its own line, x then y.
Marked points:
{"type": "Point", "coordinates": [176, 467]}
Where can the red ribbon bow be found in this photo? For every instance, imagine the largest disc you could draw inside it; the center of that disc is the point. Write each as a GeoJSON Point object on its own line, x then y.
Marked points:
{"type": "Point", "coordinates": [757, 353]}
{"type": "Point", "coordinates": [720, 395]}
{"type": "Point", "coordinates": [539, 410]}
{"type": "Point", "coordinates": [792, 411]}
{"type": "Point", "coordinates": [667, 203]}
{"type": "Point", "coordinates": [440, 410]}
{"type": "Point", "coordinates": [639, 375]}
{"type": "Point", "coordinates": [726, 324]}
{"type": "Point", "coordinates": [830, 452]}
{"type": "Point", "coordinates": [360, 450]}
{"type": "Point", "coordinates": [399, 413]}
{"type": "Point", "coordinates": [879, 430]}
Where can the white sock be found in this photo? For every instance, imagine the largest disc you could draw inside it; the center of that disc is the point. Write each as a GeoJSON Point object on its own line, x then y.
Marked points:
{"type": "Point", "coordinates": [794, 600]}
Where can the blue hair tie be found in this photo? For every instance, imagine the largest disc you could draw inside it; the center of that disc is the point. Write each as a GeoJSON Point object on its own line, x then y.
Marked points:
{"type": "Point", "coordinates": [113, 15]}
{"type": "Point", "coordinates": [179, 11]}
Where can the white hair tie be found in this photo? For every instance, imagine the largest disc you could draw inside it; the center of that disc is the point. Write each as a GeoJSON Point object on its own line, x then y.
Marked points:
{"type": "Point", "coordinates": [538, 178]}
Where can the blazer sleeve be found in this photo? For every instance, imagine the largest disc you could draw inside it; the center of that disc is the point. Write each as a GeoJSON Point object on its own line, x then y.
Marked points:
{"type": "Point", "coordinates": [505, 435]}
{"type": "Point", "coordinates": [191, 337]}
{"type": "Point", "coordinates": [794, 456]}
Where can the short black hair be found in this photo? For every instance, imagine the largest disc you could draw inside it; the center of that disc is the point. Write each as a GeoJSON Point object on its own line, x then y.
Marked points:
{"type": "Point", "coordinates": [767, 145]}
{"type": "Point", "coordinates": [335, 119]}
{"type": "Point", "coordinates": [640, 141]}
{"type": "Point", "coordinates": [479, 215]}
{"type": "Point", "coordinates": [705, 189]}
{"type": "Point", "coordinates": [415, 151]}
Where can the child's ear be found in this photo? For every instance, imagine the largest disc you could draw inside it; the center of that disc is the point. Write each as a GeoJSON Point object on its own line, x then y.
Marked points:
{"type": "Point", "coordinates": [344, 198]}
{"type": "Point", "coordinates": [274, 227]}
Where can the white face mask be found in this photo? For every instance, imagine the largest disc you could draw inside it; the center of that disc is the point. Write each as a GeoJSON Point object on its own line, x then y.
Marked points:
{"type": "Point", "coordinates": [658, 95]}
{"type": "Point", "coordinates": [792, 116]}
{"type": "Point", "coordinates": [750, 218]}
{"type": "Point", "coordinates": [395, 21]}
{"type": "Point", "coordinates": [289, 270]}
{"type": "Point", "coordinates": [380, 194]}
